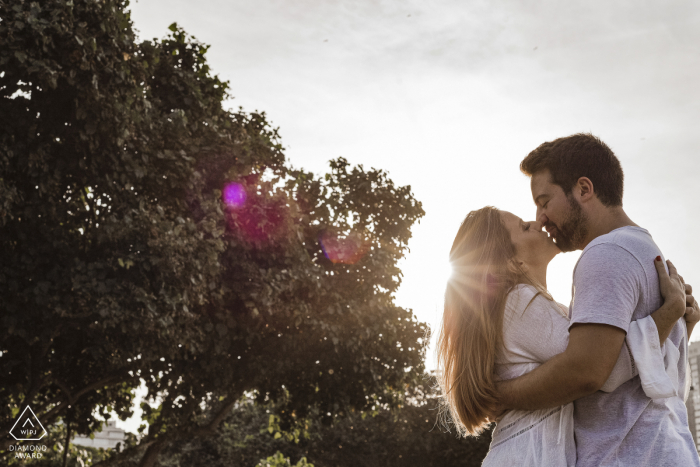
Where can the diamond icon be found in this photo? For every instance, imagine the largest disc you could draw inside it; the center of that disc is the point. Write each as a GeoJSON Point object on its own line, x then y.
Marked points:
{"type": "Point", "coordinates": [28, 427]}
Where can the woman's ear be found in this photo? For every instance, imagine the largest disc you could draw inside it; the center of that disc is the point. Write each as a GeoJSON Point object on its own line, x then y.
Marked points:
{"type": "Point", "coordinates": [516, 266]}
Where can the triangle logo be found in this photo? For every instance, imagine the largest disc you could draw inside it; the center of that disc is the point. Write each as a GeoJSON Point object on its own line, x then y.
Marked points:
{"type": "Point", "coordinates": [28, 427]}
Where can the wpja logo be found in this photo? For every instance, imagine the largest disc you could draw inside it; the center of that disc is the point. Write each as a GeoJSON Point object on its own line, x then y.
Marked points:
{"type": "Point", "coordinates": [28, 427]}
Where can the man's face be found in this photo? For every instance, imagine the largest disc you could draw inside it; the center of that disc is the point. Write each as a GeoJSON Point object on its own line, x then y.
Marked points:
{"type": "Point", "coordinates": [561, 215]}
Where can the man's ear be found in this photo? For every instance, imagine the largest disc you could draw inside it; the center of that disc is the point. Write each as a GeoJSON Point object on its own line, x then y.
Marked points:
{"type": "Point", "coordinates": [585, 188]}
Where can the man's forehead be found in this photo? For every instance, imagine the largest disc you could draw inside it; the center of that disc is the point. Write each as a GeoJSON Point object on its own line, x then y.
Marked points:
{"type": "Point", "coordinates": [541, 183]}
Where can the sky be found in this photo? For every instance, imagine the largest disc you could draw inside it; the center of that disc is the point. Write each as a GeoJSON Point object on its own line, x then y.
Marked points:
{"type": "Point", "coordinates": [449, 96]}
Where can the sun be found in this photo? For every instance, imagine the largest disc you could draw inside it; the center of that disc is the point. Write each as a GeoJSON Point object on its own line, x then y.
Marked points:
{"type": "Point", "coordinates": [446, 272]}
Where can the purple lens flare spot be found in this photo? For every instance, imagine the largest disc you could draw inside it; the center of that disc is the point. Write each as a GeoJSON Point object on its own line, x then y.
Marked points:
{"type": "Point", "coordinates": [347, 249]}
{"type": "Point", "coordinates": [233, 195]}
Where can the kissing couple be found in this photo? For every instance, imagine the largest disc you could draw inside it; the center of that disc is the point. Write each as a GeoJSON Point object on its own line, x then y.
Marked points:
{"type": "Point", "coordinates": [600, 383]}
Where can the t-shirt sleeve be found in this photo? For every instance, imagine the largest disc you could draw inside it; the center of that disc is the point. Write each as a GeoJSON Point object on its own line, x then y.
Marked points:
{"type": "Point", "coordinates": [606, 287]}
{"type": "Point", "coordinates": [534, 329]}
{"type": "Point", "coordinates": [624, 370]}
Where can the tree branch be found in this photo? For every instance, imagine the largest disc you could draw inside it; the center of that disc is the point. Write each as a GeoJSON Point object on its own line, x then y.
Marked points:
{"type": "Point", "coordinates": [125, 453]}
{"type": "Point", "coordinates": [51, 415]}
{"type": "Point", "coordinates": [150, 458]}
{"type": "Point", "coordinates": [213, 425]}
{"type": "Point", "coordinates": [68, 396]}
{"type": "Point", "coordinates": [155, 446]}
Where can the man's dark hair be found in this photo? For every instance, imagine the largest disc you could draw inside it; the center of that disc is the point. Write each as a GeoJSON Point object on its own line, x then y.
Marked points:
{"type": "Point", "coordinates": [576, 156]}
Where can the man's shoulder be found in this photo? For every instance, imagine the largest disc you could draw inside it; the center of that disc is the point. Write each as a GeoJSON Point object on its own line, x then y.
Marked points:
{"type": "Point", "coordinates": [626, 244]}
{"type": "Point", "coordinates": [608, 279]}
{"type": "Point", "coordinates": [628, 237]}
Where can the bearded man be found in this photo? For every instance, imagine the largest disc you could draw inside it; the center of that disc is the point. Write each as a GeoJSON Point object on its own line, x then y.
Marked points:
{"type": "Point", "coordinates": [577, 186]}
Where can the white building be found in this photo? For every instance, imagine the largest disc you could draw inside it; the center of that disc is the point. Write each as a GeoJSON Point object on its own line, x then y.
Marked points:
{"type": "Point", "coordinates": [693, 402]}
{"type": "Point", "coordinates": [107, 438]}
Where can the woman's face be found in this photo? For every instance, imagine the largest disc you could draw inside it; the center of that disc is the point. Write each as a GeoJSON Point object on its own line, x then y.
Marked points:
{"type": "Point", "coordinates": [533, 246]}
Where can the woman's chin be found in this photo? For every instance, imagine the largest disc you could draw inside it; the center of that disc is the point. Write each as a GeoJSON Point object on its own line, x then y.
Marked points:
{"type": "Point", "coordinates": [554, 247]}
{"type": "Point", "coordinates": [553, 251]}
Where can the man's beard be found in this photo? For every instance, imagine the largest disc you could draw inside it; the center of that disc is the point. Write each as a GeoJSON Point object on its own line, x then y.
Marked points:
{"type": "Point", "coordinates": [573, 231]}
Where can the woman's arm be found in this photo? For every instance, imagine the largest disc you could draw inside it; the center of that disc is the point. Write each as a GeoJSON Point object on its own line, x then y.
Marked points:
{"type": "Point", "coordinates": [674, 293]}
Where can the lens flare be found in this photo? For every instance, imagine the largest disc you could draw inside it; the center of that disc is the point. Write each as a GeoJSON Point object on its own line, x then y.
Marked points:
{"type": "Point", "coordinates": [233, 195]}
{"type": "Point", "coordinates": [345, 250]}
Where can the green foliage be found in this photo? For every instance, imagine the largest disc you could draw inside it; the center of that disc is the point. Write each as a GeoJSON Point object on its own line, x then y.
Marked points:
{"type": "Point", "coordinates": [278, 460]}
{"type": "Point", "coordinates": [55, 442]}
{"type": "Point", "coordinates": [121, 264]}
{"type": "Point", "coordinates": [405, 436]}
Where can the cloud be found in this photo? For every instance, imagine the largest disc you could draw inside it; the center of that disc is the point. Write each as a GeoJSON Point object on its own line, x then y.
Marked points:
{"type": "Point", "coordinates": [448, 96]}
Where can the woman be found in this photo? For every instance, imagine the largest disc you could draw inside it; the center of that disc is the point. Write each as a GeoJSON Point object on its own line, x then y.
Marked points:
{"type": "Point", "coordinates": [499, 323]}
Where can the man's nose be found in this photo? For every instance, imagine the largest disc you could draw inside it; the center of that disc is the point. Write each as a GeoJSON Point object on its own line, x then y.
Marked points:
{"type": "Point", "coordinates": [541, 217]}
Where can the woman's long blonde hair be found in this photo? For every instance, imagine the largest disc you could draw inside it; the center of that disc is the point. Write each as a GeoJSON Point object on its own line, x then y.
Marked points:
{"type": "Point", "coordinates": [484, 270]}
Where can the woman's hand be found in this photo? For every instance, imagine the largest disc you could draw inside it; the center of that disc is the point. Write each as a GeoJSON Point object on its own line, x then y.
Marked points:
{"type": "Point", "coordinates": [672, 288]}
{"type": "Point", "coordinates": [669, 285]}
{"type": "Point", "coordinates": [692, 309]}
{"type": "Point", "coordinates": [673, 291]}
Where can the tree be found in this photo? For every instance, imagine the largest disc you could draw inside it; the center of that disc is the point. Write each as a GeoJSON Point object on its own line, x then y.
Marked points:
{"type": "Point", "coordinates": [53, 456]}
{"type": "Point", "coordinates": [150, 235]}
{"type": "Point", "coordinates": [405, 436]}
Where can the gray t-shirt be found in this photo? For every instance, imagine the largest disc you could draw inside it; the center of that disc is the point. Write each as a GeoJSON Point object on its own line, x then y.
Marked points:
{"type": "Point", "coordinates": [615, 282]}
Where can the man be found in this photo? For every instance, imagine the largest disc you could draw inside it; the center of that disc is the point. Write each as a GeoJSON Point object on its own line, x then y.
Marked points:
{"type": "Point", "coordinates": [577, 185]}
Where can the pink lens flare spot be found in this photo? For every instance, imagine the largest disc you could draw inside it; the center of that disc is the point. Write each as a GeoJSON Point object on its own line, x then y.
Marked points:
{"type": "Point", "coordinates": [345, 250]}
{"type": "Point", "coordinates": [233, 195]}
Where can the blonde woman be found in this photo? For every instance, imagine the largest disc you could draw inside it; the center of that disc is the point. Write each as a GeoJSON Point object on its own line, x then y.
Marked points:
{"type": "Point", "coordinates": [500, 322]}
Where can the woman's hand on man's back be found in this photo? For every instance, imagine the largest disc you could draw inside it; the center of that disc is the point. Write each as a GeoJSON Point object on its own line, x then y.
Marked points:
{"type": "Point", "coordinates": [692, 309]}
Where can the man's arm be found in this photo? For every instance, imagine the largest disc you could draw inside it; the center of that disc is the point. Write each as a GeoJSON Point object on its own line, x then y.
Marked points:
{"type": "Point", "coordinates": [577, 372]}
{"type": "Point", "coordinates": [592, 352]}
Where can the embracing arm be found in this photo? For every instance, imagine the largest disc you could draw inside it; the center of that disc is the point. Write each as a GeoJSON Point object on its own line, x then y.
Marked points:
{"type": "Point", "coordinates": [584, 367]}
{"type": "Point", "coordinates": [577, 372]}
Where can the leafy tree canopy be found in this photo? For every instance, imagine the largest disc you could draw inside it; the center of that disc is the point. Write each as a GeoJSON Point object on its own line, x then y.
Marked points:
{"type": "Point", "coordinates": [406, 436]}
{"type": "Point", "coordinates": [149, 234]}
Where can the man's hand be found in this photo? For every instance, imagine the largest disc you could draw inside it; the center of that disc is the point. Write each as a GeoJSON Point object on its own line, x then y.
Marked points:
{"type": "Point", "coordinates": [498, 411]}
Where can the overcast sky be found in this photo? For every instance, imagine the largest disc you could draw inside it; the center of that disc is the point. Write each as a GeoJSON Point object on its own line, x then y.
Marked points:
{"type": "Point", "coordinates": [449, 96]}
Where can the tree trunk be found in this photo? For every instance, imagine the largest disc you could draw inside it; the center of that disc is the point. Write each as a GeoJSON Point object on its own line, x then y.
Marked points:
{"type": "Point", "coordinates": [150, 458]}
{"type": "Point", "coordinates": [66, 447]}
